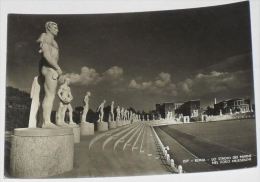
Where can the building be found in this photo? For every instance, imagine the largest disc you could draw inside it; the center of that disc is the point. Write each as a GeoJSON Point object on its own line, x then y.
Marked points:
{"type": "Point", "coordinates": [190, 108]}
{"type": "Point", "coordinates": [232, 105]}
{"type": "Point", "coordinates": [168, 107]}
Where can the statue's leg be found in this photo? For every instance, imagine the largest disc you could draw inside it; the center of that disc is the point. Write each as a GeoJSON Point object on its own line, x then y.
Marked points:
{"type": "Point", "coordinates": [102, 115]}
{"type": "Point", "coordinates": [62, 112]}
{"type": "Point", "coordinates": [50, 85]}
{"type": "Point", "coordinates": [70, 114]}
{"type": "Point", "coordinates": [113, 117]}
{"type": "Point", "coordinates": [84, 115]}
{"type": "Point", "coordinates": [58, 114]}
{"type": "Point", "coordinates": [99, 119]}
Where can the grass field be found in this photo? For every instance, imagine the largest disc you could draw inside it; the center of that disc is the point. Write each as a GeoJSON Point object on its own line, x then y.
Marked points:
{"type": "Point", "coordinates": [212, 140]}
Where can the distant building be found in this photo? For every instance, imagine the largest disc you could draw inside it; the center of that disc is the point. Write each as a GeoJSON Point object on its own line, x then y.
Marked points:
{"type": "Point", "coordinates": [190, 108]}
{"type": "Point", "coordinates": [164, 108]}
{"type": "Point", "coordinates": [232, 105]}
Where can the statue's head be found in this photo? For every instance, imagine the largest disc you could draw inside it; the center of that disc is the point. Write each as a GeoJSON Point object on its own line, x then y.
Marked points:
{"type": "Point", "coordinates": [67, 80]}
{"type": "Point", "coordinates": [88, 93]}
{"type": "Point", "coordinates": [52, 27]}
{"type": "Point", "coordinates": [113, 102]}
{"type": "Point", "coordinates": [104, 101]}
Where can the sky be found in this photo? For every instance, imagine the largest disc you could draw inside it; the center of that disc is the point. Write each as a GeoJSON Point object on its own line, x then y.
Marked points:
{"type": "Point", "coordinates": [140, 59]}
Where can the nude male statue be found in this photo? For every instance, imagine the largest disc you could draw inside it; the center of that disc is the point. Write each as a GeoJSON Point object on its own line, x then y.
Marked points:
{"type": "Point", "coordinates": [86, 107]}
{"type": "Point", "coordinates": [122, 113]}
{"type": "Point", "coordinates": [112, 111]}
{"type": "Point", "coordinates": [118, 113]}
{"type": "Point", "coordinates": [49, 70]}
{"type": "Point", "coordinates": [125, 115]}
{"type": "Point", "coordinates": [65, 96]}
{"type": "Point", "coordinates": [101, 111]}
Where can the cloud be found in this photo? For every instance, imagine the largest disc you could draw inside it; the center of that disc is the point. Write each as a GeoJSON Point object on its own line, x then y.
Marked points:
{"type": "Point", "coordinates": [231, 64]}
{"type": "Point", "coordinates": [89, 76]}
{"type": "Point", "coordinates": [113, 73]}
{"type": "Point", "coordinates": [163, 79]}
{"type": "Point", "coordinates": [161, 85]}
{"type": "Point", "coordinates": [214, 82]}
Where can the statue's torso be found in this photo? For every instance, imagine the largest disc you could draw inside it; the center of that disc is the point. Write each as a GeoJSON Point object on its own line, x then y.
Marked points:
{"type": "Point", "coordinates": [52, 48]}
{"type": "Point", "coordinates": [65, 94]}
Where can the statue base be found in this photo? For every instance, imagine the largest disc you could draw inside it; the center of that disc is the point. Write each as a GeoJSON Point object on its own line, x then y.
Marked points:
{"type": "Point", "coordinates": [102, 126]}
{"type": "Point", "coordinates": [112, 125]}
{"type": "Point", "coordinates": [119, 123]}
{"type": "Point", "coordinates": [39, 152]}
{"type": "Point", "coordinates": [86, 128]}
{"type": "Point", "coordinates": [76, 132]}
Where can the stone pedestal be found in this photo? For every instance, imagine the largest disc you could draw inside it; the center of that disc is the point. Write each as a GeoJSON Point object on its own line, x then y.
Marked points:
{"type": "Point", "coordinates": [86, 128]}
{"type": "Point", "coordinates": [76, 132]}
{"type": "Point", "coordinates": [119, 123]}
{"type": "Point", "coordinates": [123, 122]}
{"type": "Point", "coordinates": [102, 126]}
{"type": "Point", "coordinates": [39, 152]}
{"type": "Point", "coordinates": [112, 125]}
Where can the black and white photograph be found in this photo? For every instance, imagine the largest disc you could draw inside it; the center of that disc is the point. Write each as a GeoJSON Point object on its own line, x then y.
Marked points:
{"type": "Point", "coordinates": [125, 94]}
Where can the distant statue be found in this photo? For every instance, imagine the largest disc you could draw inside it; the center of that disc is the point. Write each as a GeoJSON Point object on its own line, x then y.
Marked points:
{"type": "Point", "coordinates": [46, 83]}
{"type": "Point", "coordinates": [65, 96]}
{"type": "Point", "coordinates": [112, 111]}
{"type": "Point", "coordinates": [125, 115]}
{"type": "Point", "coordinates": [35, 96]}
{"type": "Point", "coordinates": [118, 113]}
{"type": "Point", "coordinates": [122, 113]}
{"type": "Point", "coordinates": [147, 117]}
{"type": "Point", "coordinates": [130, 115]}
{"type": "Point", "coordinates": [86, 107]}
{"type": "Point", "coordinates": [100, 110]}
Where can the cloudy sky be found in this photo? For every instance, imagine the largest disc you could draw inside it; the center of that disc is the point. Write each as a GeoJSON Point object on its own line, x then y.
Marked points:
{"type": "Point", "coordinates": [140, 59]}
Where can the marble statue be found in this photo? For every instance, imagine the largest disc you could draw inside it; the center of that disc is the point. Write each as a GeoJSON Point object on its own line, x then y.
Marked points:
{"type": "Point", "coordinates": [44, 89]}
{"type": "Point", "coordinates": [125, 114]}
{"type": "Point", "coordinates": [112, 111]}
{"type": "Point", "coordinates": [101, 111]}
{"type": "Point", "coordinates": [130, 115]}
{"type": "Point", "coordinates": [35, 96]}
{"type": "Point", "coordinates": [122, 113]}
{"type": "Point", "coordinates": [65, 96]}
{"type": "Point", "coordinates": [118, 113]}
{"type": "Point", "coordinates": [86, 107]}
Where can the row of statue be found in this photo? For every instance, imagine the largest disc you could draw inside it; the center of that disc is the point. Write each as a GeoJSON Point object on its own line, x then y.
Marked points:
{"type": "Point", "coordinates": [65, 96]}
{"type": "Point", "coordinates": [44, 89]}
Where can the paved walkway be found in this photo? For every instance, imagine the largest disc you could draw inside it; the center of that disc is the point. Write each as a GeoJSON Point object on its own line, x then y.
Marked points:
{"type": "Point", "coordinates": [126, 151]}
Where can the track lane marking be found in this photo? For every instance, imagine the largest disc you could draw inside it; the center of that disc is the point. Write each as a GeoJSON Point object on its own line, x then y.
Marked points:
{"type": "Point", "coordinates": [116, 135]}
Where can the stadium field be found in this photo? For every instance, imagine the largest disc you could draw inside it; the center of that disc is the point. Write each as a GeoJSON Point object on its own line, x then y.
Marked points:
{"type": "Point", "coordinates": [211, 145]}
